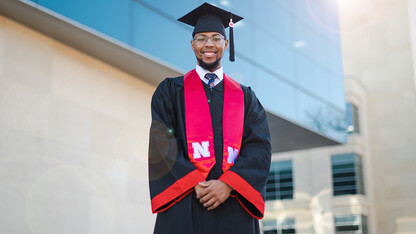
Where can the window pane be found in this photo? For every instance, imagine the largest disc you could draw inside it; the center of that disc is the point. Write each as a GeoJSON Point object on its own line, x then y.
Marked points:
{"type": "Point", "coordinates": [270, 232]}
{"type": "Point", "coordinates": [353, 122]}
{"type": "Point", "coordinates": [279, 184]}
{"type": "Point", "coordinates": [351, 224]}
{"type": "Point", "coordinates": [286, 225]}
{"type": "Point", "coordinates": [290, 230]}
{"type": "Point", "coordinates": [364, 224]}
{"type": "Point", "coordinates": [348, 228]}
{"type": "Point", "coordinates": [347, 176]}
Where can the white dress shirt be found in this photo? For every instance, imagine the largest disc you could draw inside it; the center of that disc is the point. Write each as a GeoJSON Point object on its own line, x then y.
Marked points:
{"type": "Point", "coordinates": [202, 72]}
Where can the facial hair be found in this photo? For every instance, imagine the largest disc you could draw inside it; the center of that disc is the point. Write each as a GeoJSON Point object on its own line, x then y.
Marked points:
{"type": "Point", "coordinates": [209, 66]}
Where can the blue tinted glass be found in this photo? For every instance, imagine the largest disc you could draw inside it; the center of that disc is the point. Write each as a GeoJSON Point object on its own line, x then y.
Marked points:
{"type": "Point", "coordinates": [318, 12]}
{"type": "Point", "coordinates": [332, 21]}
{"type": "Point", "coordinates": [272, 20]}
{"type": "Point", "coordinates": [321, 116]}
{"type": "Point", "coordinates": [311, 112]}
{"type": "Point", "coordinates": [317, 18]}
{"type": "Point", "coordinates": [328, 9]}
{"type": "Point", "coordinates": [244, 43]}
{"type": "Point", "coordinates": [350, 119]}
{"type": "Point", "coordinates": [335, 60]}
{"type": "Point", "coordinates": [274, 56]}
{"type": "Point", "coordinates": [112, 17]}
{"type": "Point", "coordinates": [276, 95]}
{"type": "Point", "coordinates": [343, 158]}
{"type": "Point", "coordinates": [313, 46]}
{"type": "Point", "coordinates": [170, 42]}
{"type": "Point", "coordinates": [302, 12]}
{"type": "Point", "coordinates": [312, 77]}
{"type": "Point", "coordinates": [284, 165]}
{"type": "Point", "coordinates": [240, 7]}
{"type": "Point", "coordinates": [337, 91]}
{"type": "Point", "coordinates": [284, 4]}
{"type": "Point", "coordinates": [333, 39]}
{"type": "Point", "coordinates": [172, 9]}
{"type": "Point", "coordinates": [241, 71]}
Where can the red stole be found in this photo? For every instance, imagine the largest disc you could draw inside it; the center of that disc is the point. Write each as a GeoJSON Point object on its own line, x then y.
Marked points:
{"type": "Point", "coordinates": [199, 134]}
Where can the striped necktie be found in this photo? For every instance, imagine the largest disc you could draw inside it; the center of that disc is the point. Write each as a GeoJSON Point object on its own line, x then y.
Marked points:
{"type": "Point", "coordinates": [211, 78]}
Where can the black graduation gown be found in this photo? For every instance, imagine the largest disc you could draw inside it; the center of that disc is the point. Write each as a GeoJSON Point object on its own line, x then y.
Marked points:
{"type": "Point", "coordinates": [172, 176]}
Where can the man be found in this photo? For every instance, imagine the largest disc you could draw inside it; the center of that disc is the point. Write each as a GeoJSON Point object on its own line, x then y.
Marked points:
{"type": "Point", "coordinates": [209, 151]}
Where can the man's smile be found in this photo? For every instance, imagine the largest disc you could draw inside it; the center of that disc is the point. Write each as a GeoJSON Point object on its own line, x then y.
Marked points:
{"type": "Point", "coordinates": [209, 53]}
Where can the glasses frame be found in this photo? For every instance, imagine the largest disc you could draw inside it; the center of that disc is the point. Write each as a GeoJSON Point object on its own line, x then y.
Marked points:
{"type": "Point", "coordinates": [209, 38]}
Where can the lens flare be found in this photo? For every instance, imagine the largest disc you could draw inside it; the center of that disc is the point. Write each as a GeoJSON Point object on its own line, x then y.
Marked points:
{"type": "Point", "coordinates": [354, 15]}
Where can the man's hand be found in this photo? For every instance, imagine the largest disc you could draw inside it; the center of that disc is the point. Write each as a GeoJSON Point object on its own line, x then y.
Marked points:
{"type": "Point", "coordinates": [199, 188]}
{"type": "Point", "coordinates": [212, 193]}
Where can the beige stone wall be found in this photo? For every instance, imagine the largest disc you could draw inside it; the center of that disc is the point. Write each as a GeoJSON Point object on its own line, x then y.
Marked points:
{"type": "Point", "coordinates": [73, 140]}
{"type": "Point", "coordinates": [379, 54]}
{"type": "Point", "coordinates": [411, 6]}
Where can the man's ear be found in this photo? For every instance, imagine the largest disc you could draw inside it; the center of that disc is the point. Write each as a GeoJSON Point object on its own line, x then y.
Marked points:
{"type": "Point", "coordinates": [192, 45]}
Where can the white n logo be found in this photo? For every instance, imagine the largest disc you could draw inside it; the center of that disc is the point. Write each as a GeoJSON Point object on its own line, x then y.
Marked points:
{"type": "Point", "coordinates": [201, 149]}
{"type": "Point", "coordinates": [232, 154]}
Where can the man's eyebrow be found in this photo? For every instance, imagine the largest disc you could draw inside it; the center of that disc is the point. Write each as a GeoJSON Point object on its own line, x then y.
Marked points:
{"type": "Point", "coordinates": [203, 34]}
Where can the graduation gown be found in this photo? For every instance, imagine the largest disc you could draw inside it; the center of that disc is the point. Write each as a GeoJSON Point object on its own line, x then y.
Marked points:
{"type": "Point", "coordinates": [172, 176]}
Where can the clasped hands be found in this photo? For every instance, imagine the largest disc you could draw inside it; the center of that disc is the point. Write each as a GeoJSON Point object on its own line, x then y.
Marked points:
{"type": "Point", "coordinates": [212, 193]}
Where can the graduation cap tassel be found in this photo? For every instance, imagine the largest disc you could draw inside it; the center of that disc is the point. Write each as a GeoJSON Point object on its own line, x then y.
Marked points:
{"type": "Point", "coordinates": [231, 24]}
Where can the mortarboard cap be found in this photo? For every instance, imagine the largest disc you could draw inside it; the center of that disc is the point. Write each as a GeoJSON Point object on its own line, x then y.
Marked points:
{"type": "Point", "coordinates": [209, 18]}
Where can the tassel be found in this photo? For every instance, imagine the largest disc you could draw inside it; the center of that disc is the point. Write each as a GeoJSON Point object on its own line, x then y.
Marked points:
{"type": "Point", "coordinates": [231, 24]}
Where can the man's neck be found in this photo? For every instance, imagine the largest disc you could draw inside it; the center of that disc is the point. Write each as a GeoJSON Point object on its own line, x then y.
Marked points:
{"type": "Point", "coordinates": [201, 72]}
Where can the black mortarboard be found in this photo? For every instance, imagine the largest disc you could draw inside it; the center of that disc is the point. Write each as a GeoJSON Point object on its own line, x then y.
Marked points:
{"type": "Point", "coordinates": [209, 18]}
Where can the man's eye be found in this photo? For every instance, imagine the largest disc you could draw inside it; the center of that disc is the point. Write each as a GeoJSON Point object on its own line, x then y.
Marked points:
{"type": "Point", "coordinates": [216, 38]}
{"type": "Point", "coordinates": [201, 39]}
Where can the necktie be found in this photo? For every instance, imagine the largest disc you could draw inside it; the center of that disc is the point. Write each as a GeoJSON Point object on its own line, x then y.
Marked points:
{"type": "Point", "coordinates": [211, 78]}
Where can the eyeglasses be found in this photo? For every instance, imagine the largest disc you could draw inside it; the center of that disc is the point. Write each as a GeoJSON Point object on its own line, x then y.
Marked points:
{"type": "Point", "coordinates": [216, 39]}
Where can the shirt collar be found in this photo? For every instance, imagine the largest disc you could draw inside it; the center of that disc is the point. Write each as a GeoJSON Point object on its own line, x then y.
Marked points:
{"type": "Point", "coordinates": [202, 72]}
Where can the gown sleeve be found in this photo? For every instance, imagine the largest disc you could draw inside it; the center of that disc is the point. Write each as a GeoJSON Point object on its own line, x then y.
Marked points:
{"type": "Point", "coordinates": [249, 173]}
{"type": "Point", "coordinates": [171, 175]}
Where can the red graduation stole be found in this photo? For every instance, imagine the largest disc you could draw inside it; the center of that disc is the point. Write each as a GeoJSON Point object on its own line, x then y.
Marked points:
{"type": "Point", "coordinates": [199, 134]}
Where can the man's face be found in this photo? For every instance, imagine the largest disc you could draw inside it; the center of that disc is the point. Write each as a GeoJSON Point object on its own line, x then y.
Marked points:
{"type": "Point", "coordinates": [209, 52]}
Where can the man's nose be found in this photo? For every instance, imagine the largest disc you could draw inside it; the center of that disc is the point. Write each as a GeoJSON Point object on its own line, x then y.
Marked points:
{"type": "Point", "coordinates": [209, 42]}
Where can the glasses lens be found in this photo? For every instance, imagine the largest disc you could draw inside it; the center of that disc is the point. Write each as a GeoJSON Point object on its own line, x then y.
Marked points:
{"type": "Point", "coordinates": [201, 39]}
{"type": "Point", "coordinates": [216, 38]}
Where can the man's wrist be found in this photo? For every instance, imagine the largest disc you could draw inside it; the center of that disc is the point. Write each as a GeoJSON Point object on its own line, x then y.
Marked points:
{"type": "Point", "coordinates": [231, 188]}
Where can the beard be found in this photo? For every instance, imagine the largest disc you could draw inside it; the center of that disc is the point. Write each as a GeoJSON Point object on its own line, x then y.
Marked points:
{"type": "Point", "coordinates": [209, 66]}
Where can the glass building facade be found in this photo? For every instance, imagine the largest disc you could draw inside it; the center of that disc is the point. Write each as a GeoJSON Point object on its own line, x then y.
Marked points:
{"type": "Point", "coordinates": [288, 51]}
